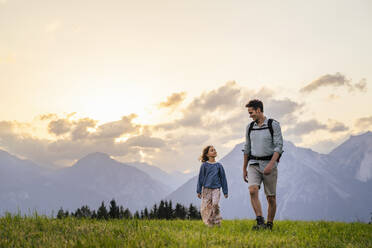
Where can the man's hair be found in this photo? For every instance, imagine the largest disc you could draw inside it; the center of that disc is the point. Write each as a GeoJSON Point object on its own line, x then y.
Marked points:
{"type": "Point", "coordinates": [255, 104]}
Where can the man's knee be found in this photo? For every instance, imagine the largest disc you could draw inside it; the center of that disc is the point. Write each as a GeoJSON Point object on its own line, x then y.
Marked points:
{"type": "Point", "coordinates": [271, 199]}
{"type": "Point", "coordinates": [253, 190]}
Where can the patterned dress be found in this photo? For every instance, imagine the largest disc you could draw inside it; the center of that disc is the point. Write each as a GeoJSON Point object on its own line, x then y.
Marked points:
{"type": "Point", "coordinates": [210, 210]}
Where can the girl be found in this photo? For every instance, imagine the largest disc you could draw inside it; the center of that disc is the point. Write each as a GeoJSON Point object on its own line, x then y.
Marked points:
{"type": "Point", "coordinates": [211, 178]}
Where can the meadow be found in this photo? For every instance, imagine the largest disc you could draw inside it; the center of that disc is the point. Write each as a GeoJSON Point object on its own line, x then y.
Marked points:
{"type": "Point", "coordinates": [43, 231]}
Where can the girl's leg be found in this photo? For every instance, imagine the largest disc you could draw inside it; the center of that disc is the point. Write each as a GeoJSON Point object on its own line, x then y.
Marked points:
{"type": "Point", "coordinates": [206, 206]}
{"type": "Point", "coordinates": [216, 215]}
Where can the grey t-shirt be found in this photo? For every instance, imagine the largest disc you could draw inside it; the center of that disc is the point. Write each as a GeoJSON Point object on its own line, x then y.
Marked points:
{"type": "Point", "coordinates": [261, 144]}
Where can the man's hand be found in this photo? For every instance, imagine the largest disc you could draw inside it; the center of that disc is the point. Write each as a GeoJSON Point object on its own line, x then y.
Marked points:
{"type": "Point", "coordinates": [268, 169]}
{"type": "Point", "coordinates": [245, 176]}
{"type": "Point", "coordinates": [226, 195]}
{"type": "Point", "coordinates": [199, 195]}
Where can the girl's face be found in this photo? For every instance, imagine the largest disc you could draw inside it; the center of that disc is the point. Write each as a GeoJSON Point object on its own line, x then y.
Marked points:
{"type": "Point", "coordinates": [212, 152]}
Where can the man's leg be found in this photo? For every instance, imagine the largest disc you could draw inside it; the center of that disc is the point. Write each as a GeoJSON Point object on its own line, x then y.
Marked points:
{"type": "Point", "coordinates": [256, 204]}
{"type": "Point", "coordinates": [270, 191]}
{"type": "Point", "coordinates": [254, 182]}
{"type": "Point", "coordinates": [271, 200]}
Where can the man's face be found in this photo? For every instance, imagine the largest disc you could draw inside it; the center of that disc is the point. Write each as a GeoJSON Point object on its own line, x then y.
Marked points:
{"type": "Point", "coordinates": [253, 113]}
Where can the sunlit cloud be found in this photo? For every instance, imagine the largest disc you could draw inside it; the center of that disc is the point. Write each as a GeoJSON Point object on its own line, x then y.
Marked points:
{"type": "Point", "coordinates": [334, 80]}
{"type": "Point", "coordinates": [336, 127]}
{"type": "Point", "coordinates": [364, 122]}
{"type": "Point", "coordinates": [173, 100]}
{"type": "Point", "coordinates": [217, 117]}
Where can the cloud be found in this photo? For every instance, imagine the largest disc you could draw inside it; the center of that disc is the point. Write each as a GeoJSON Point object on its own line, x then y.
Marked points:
{"type": "Point", "coordinates": [173, 101]}
{"type": "Point", "coordinates": [49, 116]}
{"type": "Point", "coordinates": [336, 126]}
{"type": "Point", "coordinates": [74, 140]}
{"type": "Point", "coordinates": [117, 128]}
{"type": "Point", "coordinates": [364, 122]}
{"type": "Point", "coordinates": [188, 139]}
{"type": "Point", "coordinates": [213, 103]}
{"type": "Point", "coordinates": [59, 127]}
{"type": "Point", "coordinates": [145, 141]}
{"type": "Point", "coordinates": [335, 80]}
{"type": "Point", "coordinates": [80, 129]}
{"type": "Point", "coordinates": [283, 110]}
{"type": "Point", "coordinates": [362, 85]}
{"type": "Point", "coordinates": [305, 127]}
{"type": "Point", "coordinates": [327, 145]}
{"type": "Point", "coordinates": [217, 117]}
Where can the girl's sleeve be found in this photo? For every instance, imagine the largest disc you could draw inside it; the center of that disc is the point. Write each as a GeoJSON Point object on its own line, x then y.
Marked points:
{"type": "Point", "coordinates": [200, 180]}
{"type": "Point", "coordinates": [223, 180]}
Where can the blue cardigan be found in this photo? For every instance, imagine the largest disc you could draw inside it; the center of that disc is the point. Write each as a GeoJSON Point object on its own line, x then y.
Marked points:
{"type": "Point", "coordinates": [212, 175]}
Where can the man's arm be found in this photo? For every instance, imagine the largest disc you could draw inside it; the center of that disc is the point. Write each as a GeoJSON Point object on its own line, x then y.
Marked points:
{"type": "Point", "coordinates": [247, 151]}
{"type": "Point", "coordinates": [277, 138]}
{"type": "Point", "coordinates": [245, 164]}
{"type": "Point", "coordinates": [278, 147]}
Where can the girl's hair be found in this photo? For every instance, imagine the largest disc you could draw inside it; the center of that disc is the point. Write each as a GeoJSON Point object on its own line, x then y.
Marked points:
{"type": "Point", "coordinates": [203, 157]}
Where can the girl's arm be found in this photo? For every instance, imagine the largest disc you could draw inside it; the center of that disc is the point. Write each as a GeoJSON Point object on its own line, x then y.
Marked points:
{"type": "Point", "coordinates": [200, 180]}
{"type": "Point", "coordinates": [223, 180]}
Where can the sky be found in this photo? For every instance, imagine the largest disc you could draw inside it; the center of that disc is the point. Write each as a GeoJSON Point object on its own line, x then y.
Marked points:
{"type": "Point", "coordinates": [156, 81]}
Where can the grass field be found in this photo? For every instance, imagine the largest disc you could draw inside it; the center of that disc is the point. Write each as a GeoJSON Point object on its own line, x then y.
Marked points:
{"type": "Point", "coordinates": [39, 231]}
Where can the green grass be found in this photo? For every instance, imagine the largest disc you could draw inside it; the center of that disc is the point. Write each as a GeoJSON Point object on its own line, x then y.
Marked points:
{"type": "Point", "coordinates": [39, 231]}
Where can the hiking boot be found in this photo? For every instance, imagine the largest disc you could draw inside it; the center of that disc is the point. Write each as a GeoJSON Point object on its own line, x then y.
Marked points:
{"type": "Point", "coordinates": [260, 223]}
{"type": "Point", "coordinates": [269, 225]}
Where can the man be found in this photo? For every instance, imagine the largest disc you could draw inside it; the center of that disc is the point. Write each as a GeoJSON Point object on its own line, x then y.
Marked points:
{"type": "Point", "coordinates": [262, 150]}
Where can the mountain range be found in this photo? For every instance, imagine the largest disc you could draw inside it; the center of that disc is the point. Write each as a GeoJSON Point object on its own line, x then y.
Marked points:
{"type": "Point", "coordinates": [311, 186]}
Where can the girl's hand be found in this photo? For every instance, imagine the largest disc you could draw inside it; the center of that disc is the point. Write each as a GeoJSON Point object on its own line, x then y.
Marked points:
{"type": "Point", "coordinates": [199, 195]}
{"type": "Point", "coordinates": [226, 195]}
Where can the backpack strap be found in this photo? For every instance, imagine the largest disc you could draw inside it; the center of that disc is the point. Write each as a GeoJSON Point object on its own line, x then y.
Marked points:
{"type": "Point", "coordinates": [270, 124]}
{"type": "Point", "coordinates": [250, 129]}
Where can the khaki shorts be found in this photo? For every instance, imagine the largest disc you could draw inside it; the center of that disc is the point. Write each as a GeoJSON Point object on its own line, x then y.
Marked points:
{"type": "Point", "coordinates": [256, 177]}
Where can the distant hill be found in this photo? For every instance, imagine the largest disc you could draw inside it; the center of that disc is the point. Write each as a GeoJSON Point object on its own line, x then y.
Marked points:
{"type": "Point", "coordinates": [93, 179]}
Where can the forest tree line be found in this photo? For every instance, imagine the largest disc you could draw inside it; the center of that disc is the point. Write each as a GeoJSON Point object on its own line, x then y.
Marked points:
{"type": "Point", "coordinates": [163, 210]}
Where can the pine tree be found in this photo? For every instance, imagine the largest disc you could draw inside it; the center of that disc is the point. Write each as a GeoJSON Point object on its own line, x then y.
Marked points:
{"type": "Point", "coordinates": [121, 212]}
{"type": "Point", "coordinates": [162, 210]}
{"type": "Point", "coordinates": [154, 212]}
{"type": "Point", "coordinates": [170, 210]}
{"type": "Point", "coordinates": [85, 212]}
{"type": "Point", "coordinates": [78, 214]}
{"type": "Point", "coordinates": [193, 213]}
{"type": "Point", "coordinates": [60, 214]}
{"type": "Point", "coordinates": [136, 215]}
{"type": "Point", "coordinates": [127, 214]}
{"type": "Point", "coordinates": [94, 215]}
{"type": "Point", "coordinates": [114, 210]}
{"type": "Point", "coordinates": [102, 212]}
{"type": "Point", "coordinates": [180, 212]}
{"type": "Point", "coordinates": [142, 215]}
{"type": "Point", "coordinates": [146, 213]}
